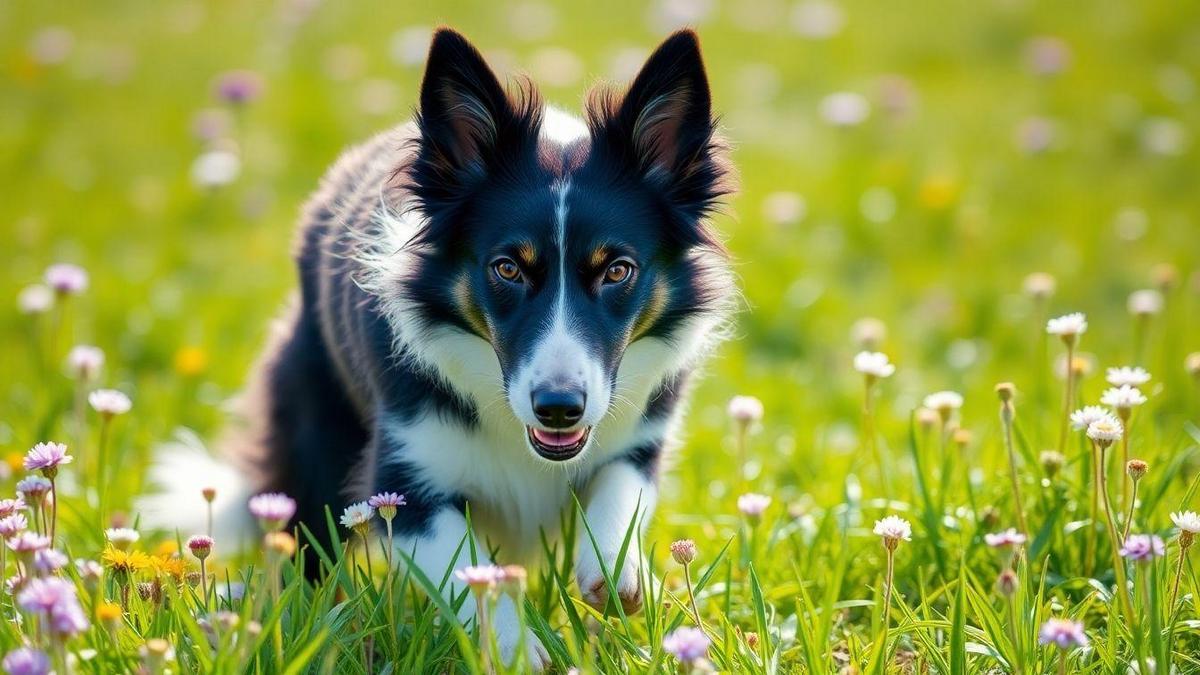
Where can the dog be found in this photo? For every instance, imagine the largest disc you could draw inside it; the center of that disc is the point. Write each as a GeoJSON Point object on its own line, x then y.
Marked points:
{"type": "Point", "coordinates": [501, 307]}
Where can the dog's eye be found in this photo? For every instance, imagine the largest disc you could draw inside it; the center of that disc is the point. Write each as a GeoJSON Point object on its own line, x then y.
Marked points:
{"type": "Point", "coordinates": [618, 272]}
{"type": "Point", "coordinates": [507, 270]}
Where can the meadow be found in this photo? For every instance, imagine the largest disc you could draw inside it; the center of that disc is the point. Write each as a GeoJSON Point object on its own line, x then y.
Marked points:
{"type": "Point", "coordinates": [936, 182]}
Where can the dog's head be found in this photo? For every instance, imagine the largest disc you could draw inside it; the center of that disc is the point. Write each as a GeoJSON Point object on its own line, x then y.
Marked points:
{"type": "Point", "coordinates": [561, 243]}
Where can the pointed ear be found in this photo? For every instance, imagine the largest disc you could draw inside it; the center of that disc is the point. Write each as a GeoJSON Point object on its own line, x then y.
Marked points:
{"type": "Point", "coordinates": [664, 126]}
{"type": "Point", "coordinates": [462, 102]}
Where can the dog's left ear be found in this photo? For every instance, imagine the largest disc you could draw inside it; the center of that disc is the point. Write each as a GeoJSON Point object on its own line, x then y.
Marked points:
{"type": "Point", "coordinates": [664, 126]}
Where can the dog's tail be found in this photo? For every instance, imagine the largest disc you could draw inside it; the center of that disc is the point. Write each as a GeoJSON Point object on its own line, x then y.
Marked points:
{"type": "Point", "coordinates": [182, 471]}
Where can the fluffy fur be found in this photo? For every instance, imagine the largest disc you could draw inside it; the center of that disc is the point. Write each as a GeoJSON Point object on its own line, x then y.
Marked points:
{"type": "Point", "coordinates": [500, 306]}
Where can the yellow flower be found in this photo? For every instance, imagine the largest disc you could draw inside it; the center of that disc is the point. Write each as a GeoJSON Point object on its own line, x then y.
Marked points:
{"type": "Point", "coordinates": [938, 192]}
{"type": "Point", "coordinates": [125, 561]}
{"type": "Point", "coordinates": [108, 611]}
{"type": "Point", "coordinates": [191, 361]}
{"type": "Point", "coordinates": [175, 567]}
{"type": "Point", "coordinates": [166, 549]}
{"type": "Point", "coordinates": [15, 461]}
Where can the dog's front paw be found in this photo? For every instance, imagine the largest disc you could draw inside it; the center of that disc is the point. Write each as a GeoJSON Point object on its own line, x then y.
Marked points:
{"type": "Point", "coordinates": [508, 638]}
{"type": "Point", "coordinates": [594, 588]}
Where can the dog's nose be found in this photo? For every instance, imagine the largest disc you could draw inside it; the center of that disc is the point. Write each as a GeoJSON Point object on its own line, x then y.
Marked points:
{"type": "Point", "coordinates": [558, 408]}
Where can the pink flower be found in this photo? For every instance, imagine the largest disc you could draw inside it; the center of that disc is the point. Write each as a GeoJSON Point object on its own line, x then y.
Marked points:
{"type": "Point", "coordinates": [1062, 632]}
{"type": "Point", "coordinates": [239, 86]}
{"type": "Point", "coordinates": [200, 546]}
{"type": "Point", "coordinates": [28, 542]}
{"type": "Point", "coordinates": [12, 524]}
{"type": "Point", "coordinates": [480, 577]}
{"type": "Point", "coordinates": [1009, 537]}
{"type": "Point", "coordinates": [11, 506]}
{"type": "Point", "coordinates": [683, 551]}
{"type": "Point", "coordinates": [273, 510]}
{"type": "Point", "coordinates": [686, 644]}
{"type": "Point", "coordinates": [109, 402]}
{"type": "Point", "coordinates": [752, 505]}
{"type": "Point", "coordinates": [85, 361]}
{"type": "Point", "coordinates": [1143, 547]}
{"type": "Point", "coordinates": [66, 279]}
{"type": "Point", "coordinates": [47, 457]}
{"type": "Point", "coordinates": [387, 499]}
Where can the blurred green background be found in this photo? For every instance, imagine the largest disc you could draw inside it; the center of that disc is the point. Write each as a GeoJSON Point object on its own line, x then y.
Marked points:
{"type": "Point", "coordinates": [910, 161]}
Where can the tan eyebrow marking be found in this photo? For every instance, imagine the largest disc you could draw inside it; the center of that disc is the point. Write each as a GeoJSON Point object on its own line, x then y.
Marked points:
{"type": "Point", "coordinates": [527, 253]}
{"type": "Point", "coordinates": [469, 309]}
{"type": "Point", "coordinates": [653, 311]}
{"type": "Point", "coordinates": [599, 256]}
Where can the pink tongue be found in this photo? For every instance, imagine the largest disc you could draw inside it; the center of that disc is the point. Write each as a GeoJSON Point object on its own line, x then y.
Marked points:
{"type": "Point", "coordinates": [558, 439]}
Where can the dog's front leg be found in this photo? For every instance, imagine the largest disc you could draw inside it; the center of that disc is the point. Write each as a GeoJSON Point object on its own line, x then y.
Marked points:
{"type": "Point", "coordinates": [619, 493]}
{"type": "Point", "coordinates": [439, 548]}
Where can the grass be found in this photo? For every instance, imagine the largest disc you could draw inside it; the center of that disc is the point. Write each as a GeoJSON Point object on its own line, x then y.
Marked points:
{"type": "Point", "coordinates": [929, 220]}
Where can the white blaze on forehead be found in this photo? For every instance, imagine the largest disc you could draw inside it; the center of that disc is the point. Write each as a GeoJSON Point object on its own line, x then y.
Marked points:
{"type": "Point", "coordinates": [562, 128]}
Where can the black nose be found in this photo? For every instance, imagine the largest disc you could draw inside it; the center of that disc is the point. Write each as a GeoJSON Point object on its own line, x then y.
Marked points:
{"type": "Point", "coordinates": [558, 408]}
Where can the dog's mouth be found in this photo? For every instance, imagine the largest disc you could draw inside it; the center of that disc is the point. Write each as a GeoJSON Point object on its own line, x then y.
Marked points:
{"type": "Point", "coordinates": [558, 445]}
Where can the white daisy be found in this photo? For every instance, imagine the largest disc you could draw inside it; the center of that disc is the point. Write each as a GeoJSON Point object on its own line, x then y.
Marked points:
{"type": "Point", "coordinates": [1106, 430]}
{"type": "Point", "coordinates": [1188, 521]}
{"type": "Point", "coordinates": [1145, 302]}
{"type": "Point", "coordinates": [944, 402]}
{"type": "Point", "coordinates": [873, 364]}
{"type": "Point", "coordinates": [1124, 397]}
{"type": "Point", "coordinates": [1068, 327]}
{"type": "Point", "coordinates": [356, 515]}
{"type": "Point", "coordinates": [1081, 419]}
{"type": "Point", "coordinates": [1134, 376]}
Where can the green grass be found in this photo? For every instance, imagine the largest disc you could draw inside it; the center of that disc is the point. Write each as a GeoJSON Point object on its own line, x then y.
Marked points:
{"type": "Point", "coordinates": [928, 221]}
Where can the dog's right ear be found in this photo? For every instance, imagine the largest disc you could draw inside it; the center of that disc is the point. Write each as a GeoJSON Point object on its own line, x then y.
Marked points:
{"type": "Point", "coordinates": [462, 102]}
{"type": "Point", "coordinates": [468, 123]}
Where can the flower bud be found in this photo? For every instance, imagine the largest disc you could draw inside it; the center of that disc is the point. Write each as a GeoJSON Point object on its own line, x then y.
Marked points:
{"type": "Point", "coordinates": [1006, 583]}
{"type": "Point", "coordinates": [1136, 468]}
{"type": "Point", "coordinates": [683, 551]}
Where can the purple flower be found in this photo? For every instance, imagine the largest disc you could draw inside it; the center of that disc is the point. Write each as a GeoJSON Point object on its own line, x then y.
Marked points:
{"type": "Point", "coordinates": [239, 86]}
{"type": "Point", "coordinates": [47, 457]}
{"type": "Point", "coordinates": [387, 499]}
{"type": "Point", "coordinates": [33, 489]}
{"type": "Point", "coordinates": [11, 506]}
{"type": "Point", "coordinates": [1062, 632]}
{"type": "Point", "coordinates": [41, 595]}
{"type": "Point", "coordinates": [273, 510]}
{"type": "Point", "coordinates": [66, 279]}
{"type": "Point", "coordinates": [1143, 547]}
{"type": "Point", "coordinates": [48, 561]}
{"type": "Point", "coordinates": [12, 524]}
{"type": "Point", "coordinates": [68, 619]}
{"type": "Point", "coordinates": [687, 644]}
{"type": "Point", "coordinates": [28, 542]}
{"type": "Point", "coordinates": [26, 661]}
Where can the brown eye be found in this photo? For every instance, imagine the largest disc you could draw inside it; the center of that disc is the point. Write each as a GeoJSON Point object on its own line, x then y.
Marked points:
{"type": "Point", "coordinates": [507, 270]}
{"type": "Point", "coordinates": [618, 272]}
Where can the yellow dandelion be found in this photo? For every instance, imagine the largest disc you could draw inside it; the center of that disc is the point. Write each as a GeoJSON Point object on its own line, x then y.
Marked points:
{"type": "Point", "coordinates": [125, 561]}
{"type": "Point", "coordinates": [176, 568]}
{"type": "Point", "coordinates": [108, 612]}
{"type": "Point", "coordinates": [15, 461]}
{"type": "Point", "coordinates": [191, 361]}
{"type": "Point", "coordinates": [166, 549]}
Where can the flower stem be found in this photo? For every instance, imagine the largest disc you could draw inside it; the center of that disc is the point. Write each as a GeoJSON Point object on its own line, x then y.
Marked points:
{"type": "Point", "coordinates": [1129, 516]}
{"type": "Point", "coordinates": [53, 509]}
{"type": "Point", "coordinates": [1070, 394]}
{"type": "Point", "coordinates": [687, 577]}
{"type": "Point", "coordinates": [1118, 563]}
{"type": "Point", "coordinates": [869, 433]}
{"type": "Point", "coordinates": [887, 593]}
{"type": "Point", "coordinates": [1006, 419]}
{"type": "Point", "coordinates": [1184, 544]}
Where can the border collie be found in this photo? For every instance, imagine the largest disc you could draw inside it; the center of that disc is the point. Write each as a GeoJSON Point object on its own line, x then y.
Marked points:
{"type": "Point", "coordinates": [500, 306]}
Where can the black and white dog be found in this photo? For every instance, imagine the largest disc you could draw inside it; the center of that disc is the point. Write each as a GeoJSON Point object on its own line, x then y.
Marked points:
{"type": "Point", "coordinates": [500, 306]}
